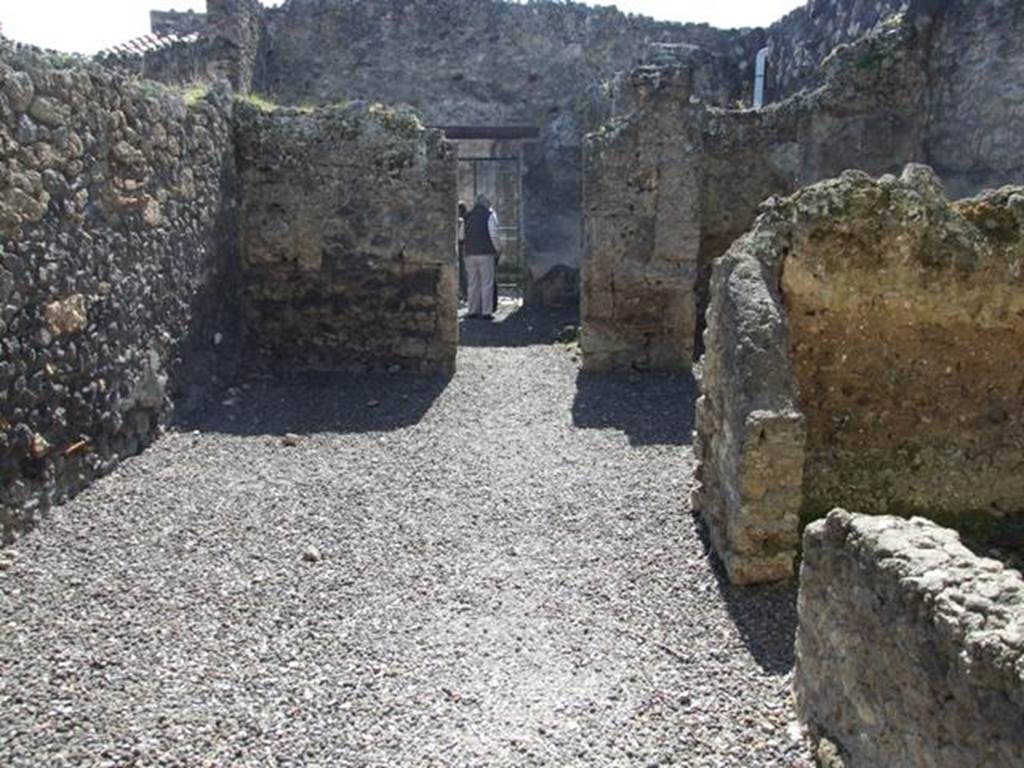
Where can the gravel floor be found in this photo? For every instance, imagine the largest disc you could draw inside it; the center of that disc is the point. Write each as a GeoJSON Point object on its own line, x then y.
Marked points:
{"type": "Point", "coordinates": [496, 570]}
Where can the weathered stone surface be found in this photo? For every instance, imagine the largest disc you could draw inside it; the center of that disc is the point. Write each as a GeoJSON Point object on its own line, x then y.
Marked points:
{"type": "Point", "coordinates": [672, 184]}
{"type": "Point", "coordinates": [459, 62]}
{"type": "Point", "coordinates": [68, 315]}
{"type": "Point", "coordinates": [878, 105]}
{"type": "Point", "coordinates": [877, 330]}
{"type": "Point", "coordinates": [642, 232]}
{"type": "Point", "coordinates": [348, 250]}
{"type": "Point", "coordinates": [750, 431]}
{"type": "Point", "coordinates": [909, 648]}
{"type": "Point", "coordinates": [805, 37]}
{"type": "Point", "coordinates": [111, 283]}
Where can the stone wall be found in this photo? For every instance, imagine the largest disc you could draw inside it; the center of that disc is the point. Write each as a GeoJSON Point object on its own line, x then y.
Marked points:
{"type": "Point", "coordinates": [975, 103]}
{"type": "Point", "coordinates": [642, 231]}
{"type": "Point", "coordinates": [490, 62]}
{"type": "Point", "coordinates": [348, 249]}
{"type": "Point", "coordinates": [804, 38]}
{"type": "Point", "coordinates": [915, 88]}
{"type": "Point", "coordinates": [117, 233]}
{"type": "Point", "coordinates": [863, 349]}
{"type": "Point", "coordinates": [909, 647]}
{"type": "Point", "coordinates": [650, 238]}
{"type": "Point", "coordinates": [181, 63]}
{"type": "Point", "coordinates": [228, 42]}
{"type": "Point", "coordinates": [236, 35]}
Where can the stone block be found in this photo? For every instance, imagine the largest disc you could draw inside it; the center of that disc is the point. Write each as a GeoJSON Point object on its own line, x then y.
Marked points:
{"type": "Point", "coordinates": [909, 647]}
{"type": "Point", "coordinates": [67, 315]}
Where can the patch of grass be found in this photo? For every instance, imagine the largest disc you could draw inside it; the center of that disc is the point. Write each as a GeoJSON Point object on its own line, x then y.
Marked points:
{"type": "Point", "coordinates": [260, 102]}
{"type": "Point", "coordinates": [194, 94]}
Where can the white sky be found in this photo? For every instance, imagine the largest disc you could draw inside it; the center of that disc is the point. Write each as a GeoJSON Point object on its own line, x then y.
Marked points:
{"type": "Point", "coordinates": [87, 26]}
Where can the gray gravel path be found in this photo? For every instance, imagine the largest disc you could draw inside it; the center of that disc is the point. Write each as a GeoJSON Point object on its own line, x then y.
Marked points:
{"type": "Point", "coordinates": [497, 570]}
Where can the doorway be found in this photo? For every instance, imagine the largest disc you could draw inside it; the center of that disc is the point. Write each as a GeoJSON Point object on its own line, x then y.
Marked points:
{"type": "Point", "coordinates": [500, 179]}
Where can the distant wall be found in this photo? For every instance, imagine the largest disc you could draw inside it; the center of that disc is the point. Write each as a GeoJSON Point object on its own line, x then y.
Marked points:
{"type": "Point", "coordinates": [348, 246]}
{"type": "Point", "coordinates": [642, 231]}
{"type": "Point", "coordinates": [229, 43]}
{"type": "Point", "coordinates": [802, 39]}
{"type": "Point", "coordinates": [972, 60]}
{"type": "Point", "coordinates": [486, 62]}
{"type": "Point", "coordinates": [975, 103]}
{"type": "Point", "coordinates": [908, 649]}
{"type": "Point", "coordinates": [117, 240]}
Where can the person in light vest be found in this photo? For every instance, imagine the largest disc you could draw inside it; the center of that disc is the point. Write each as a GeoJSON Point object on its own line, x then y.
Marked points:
{"type": "Point", "coordinates": [482, 253]}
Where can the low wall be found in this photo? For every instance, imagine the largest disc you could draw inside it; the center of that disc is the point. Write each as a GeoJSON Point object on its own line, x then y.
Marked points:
{"type": "Point", "coordinates": [909, 649]}
{"type": "Point", "coordinates": [117, 239]}
{"type": "Point", "coordinates": [862, 349]}
{"type": "Point", "coordinates": [348, 249]}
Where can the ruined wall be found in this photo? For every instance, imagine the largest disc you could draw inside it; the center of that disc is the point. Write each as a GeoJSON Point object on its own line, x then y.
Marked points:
{"type": "Point", "coordinates": [975, 104]}
{"type": "Point", "coordinates": [348, 249]}
{"type": "Point", "coordinates": [236, 35]}
{"type": "Point", "coordinates": [116, 240]}
{"type": "Point", "coordinates": [940, 83]}
{"type": "Point", "coordinates": [909, 647]}
{"type": "Point", "coordinates": [804, 38]}
{"type": "Point", "coordinates": [863, 116]}
{"type": "Point", "coordinates": [476, 62]}
{"type": "Point", "coordinates": [906, 321]}
{"type": "Point", "coordinates": [488, 62]}
{"type": "Point", "coordinates": [877, 331]}
{"type": "Point", "coordinates": [182, 63]}
{"type": "Point", "coordinates": [228, 42]}
{"type": "Point", "coordinates": [642, 232]}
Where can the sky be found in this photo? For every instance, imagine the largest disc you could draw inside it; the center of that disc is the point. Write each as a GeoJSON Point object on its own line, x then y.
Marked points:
{"type": "Point", "coordinates": [87, 26]}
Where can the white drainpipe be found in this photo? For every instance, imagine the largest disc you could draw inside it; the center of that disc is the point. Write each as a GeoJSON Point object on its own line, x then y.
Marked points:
{"type": "Point", "coordinates": [759, 71]}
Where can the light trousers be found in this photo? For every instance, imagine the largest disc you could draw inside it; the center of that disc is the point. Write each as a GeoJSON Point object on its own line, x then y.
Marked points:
{"type": "Point", "coordinates": [480, 280]}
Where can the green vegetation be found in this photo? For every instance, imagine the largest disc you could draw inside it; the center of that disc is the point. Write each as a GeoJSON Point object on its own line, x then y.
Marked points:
{"type": "Point", "coordinates": [194, 94]}
{"type": "Point", "coordinates": [259, 102]}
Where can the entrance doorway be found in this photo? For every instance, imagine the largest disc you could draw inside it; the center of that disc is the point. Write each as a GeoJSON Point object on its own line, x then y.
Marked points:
{"type": "Point", "coordinates": [500, 179]}
{"type": "Point", "coordinates": [490, 162]}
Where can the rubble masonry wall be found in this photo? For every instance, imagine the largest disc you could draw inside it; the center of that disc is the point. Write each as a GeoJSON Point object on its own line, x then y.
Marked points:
{"type": "Point", "coordinates": [117, 239]}
{"type": "Point", "coordinates": [639, 308]}
{"type": "Point", "coordinates": [490, 63]}
{"type": "Point", "coordinates": [916, 88]}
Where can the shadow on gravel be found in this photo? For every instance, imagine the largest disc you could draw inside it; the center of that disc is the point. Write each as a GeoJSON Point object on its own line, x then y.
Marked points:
{"type": "Point", "coordinates": [310, 401]}
{"type": "Point", "coordinates": [520, 327]}
{"type": "Point", "coordinates": [651, 408]}
{"type": "Point", "coordinates": [765, 615]}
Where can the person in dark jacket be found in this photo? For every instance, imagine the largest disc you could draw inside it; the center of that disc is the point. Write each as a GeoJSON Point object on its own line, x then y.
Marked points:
{"type": "Point", "coordinates": [461, 228]}
{"type": "Point", "coordinates": [482, 254]}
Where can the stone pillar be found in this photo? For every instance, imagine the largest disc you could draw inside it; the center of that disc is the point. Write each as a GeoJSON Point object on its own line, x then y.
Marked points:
{"type": "Point", "coordinates": [642, 232]}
